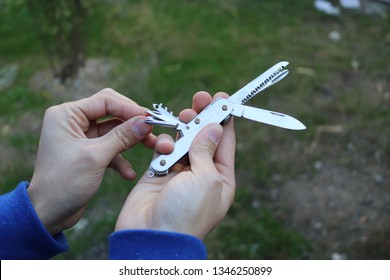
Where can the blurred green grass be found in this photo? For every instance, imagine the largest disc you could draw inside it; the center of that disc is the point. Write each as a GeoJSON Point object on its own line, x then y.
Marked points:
{"type": "Point", "coordinates": [180, 47]}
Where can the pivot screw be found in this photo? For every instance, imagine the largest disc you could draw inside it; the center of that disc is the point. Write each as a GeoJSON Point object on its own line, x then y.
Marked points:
{"type": "Point", "coordinates": [224, 107]}
{"type": "Point", "coordinates": [163, 162]}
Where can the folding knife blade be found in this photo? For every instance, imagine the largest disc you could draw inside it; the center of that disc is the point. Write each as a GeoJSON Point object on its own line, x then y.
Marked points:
{"type": "Point", "coordinates": [219, 111]}
{"type": "Point", "coordinates": [265, 80]}
{"type": "Point", "coordinates": [267, 117]}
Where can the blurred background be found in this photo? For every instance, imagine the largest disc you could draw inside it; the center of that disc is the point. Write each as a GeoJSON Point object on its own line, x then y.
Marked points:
{"type": "Point", "coordinates": [322, 193]}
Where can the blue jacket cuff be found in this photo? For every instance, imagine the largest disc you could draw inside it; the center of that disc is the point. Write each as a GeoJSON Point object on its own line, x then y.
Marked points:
{"type": "Point", "coordinates": [23, 236]}
{"type": "Point", "coordinates": [155, 245]}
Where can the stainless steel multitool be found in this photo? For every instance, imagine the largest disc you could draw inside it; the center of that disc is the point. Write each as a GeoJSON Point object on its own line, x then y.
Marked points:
{"type": "Point", "coordinates": [216, 112]}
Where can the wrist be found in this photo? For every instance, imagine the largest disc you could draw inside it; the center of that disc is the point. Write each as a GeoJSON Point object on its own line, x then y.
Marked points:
{"type": "Point", "coordinates": [182, 228]}
{"type": "Point", "coordinates": [42, 210]}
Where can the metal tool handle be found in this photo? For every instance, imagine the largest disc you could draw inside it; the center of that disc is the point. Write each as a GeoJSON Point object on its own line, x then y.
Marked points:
{"type": "Point", "coordinates": [216, 112]}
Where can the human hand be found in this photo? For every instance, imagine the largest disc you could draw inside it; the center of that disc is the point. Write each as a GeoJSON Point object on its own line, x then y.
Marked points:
{"type": "Point", "coordinates": [193, 198]}
{"type": "Point", "coordinates": [75, 149]}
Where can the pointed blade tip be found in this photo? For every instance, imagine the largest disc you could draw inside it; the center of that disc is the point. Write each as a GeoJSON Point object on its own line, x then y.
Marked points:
{"type": "Point", "coordinates": [301, 126]}
{"type": "Point", "coordinates": [284, 63]}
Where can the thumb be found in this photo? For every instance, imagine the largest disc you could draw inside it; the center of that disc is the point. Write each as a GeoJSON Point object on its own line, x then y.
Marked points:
{"type": "Point", "coordinates": [203, 147]}
{"type": "Point", "coordinates": [123, 137]}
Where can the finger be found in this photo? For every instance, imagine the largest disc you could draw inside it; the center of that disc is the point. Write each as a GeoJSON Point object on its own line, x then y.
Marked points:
{"type": "Point", "coordinates": [123, 137]}
{"type": "Point", "coordinates": [149, 141]}
{"type": "Point", "coordinates": [187, 115]}
{"type": "Point", "coordinates": [225, 153]}
{"type": "Point", "coordinates": [226, 148]}
{"type": "Point", "coordinates": [220, 95]}
{"type": "Point", "coordinates": [123, 167]}
{"type": "Point", "coordinates": [200, 101]}
{"type": "Point", "coordinates": [164, 144]}
{"type": "Point", "coordinates": [108, 103]}
{"type": "Point", "coordinates": [102, 127]}
{"type": "Point", "coordinates": [224, 161]}
{"type": "Point", "coordinates": [202, 149]}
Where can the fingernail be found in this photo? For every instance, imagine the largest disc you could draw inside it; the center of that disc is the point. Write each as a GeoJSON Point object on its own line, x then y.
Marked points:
{"type": "Point", "coordinates": [214, 133]}
{"type": "Point", "coordinates": [140, 128]}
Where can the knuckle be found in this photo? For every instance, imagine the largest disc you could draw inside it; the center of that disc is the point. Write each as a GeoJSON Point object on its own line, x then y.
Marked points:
{"type": "Point", "coordinates": [107, 91]}
{"type": "Point", "coordinates": [203, 149]}
{"type": "Point", "coordinates": [217, 182]}
{"type": "Point", "coordinates": [230, 197]}
{"type": "Point", "coordinates": [52, 110]}
{"type": "Point", "coordinates": [124, 139]}
{"type": "Point", "coordinates": [103, 93]}
{"type": "Point", "coordinates": [214, 179]}
{"type": "Point", "coordinates": [54, 114]}
{"type": "Point", "coordinates": [89, 156]}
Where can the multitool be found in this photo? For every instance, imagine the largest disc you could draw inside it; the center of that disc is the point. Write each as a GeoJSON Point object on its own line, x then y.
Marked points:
{"type": "Point", "coordinates": [217, 112]}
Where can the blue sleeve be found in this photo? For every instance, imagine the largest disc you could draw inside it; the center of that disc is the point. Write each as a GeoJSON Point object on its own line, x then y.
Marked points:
{"type": "Point", "coordinates": [22, 235]}
{"type": "Point", "coordinates": [155, 245]}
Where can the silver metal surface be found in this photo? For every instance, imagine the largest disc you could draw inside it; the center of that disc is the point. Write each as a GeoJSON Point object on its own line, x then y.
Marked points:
{"type": "Point", "coordinates": [265, 80]}
{"type": "Point", "coordinates": [267, 117]}
{"type": "Point", "coordinates": [216, 112]}
{"type": "Point", "coordinates": [162, 117]}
